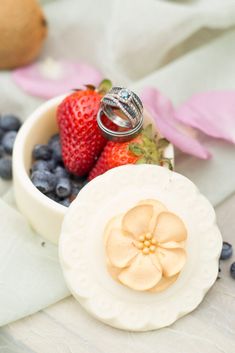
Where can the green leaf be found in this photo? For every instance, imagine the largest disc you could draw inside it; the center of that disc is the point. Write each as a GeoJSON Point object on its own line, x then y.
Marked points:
{"type": "Point", "coordinates": [155, 157]}
{"type": "Point", "coordinates": [148, 131]}
{"type": "Point", "coordinates": [147, 142]}
{"type": "Point", "coordinates": [136, 149]}
{"type": "Point", "coordinates": [168, 161]}
{"type": "Point", "coordinates": [104, 86]}
{"type": "Point", "coordinates": [141, 161]}
{"type": "Point", "coordinates": [163, 143]}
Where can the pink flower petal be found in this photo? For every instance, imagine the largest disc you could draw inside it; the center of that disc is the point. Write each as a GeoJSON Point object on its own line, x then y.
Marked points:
{"type": "Point", "coordinates": [179, 134]}
{"type": "Point", "coordinates": [211, 112]}
{"type": "Point", "coordinates": [51, 78]}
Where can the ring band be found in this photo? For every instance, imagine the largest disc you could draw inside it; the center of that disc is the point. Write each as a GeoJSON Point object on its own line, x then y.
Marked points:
{"type": "Point", "coordinates": [118, 136]}
{"type": "Point", "coordinates": [116, 119]}
{"type": "Point", "coordinates": [129, 106]}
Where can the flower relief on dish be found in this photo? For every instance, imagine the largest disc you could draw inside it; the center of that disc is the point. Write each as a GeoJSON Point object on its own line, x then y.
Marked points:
{"type": "Point", "coordinates": [145, 247]}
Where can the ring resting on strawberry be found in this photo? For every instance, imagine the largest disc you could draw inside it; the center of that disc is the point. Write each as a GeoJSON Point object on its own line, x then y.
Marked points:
{"type": "Point", "coordinates": [85, 151]}
{"type": "Point", "coordinates": [80, 152]}
{"type": "Point", "coordinates": [146, 148]}
{"type": "Point", "coordinates": [125, 109]}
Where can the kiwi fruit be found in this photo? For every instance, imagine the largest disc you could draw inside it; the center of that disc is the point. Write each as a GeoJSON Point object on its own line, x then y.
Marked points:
{"type": "Point", "coordinates": [23, 29]}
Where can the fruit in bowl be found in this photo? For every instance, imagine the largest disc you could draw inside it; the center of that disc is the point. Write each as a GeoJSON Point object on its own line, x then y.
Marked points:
{"type": "Point", "coordinates": [60, 148]}
{"type": "Point", "coordinates": [79, 152]}
{"type": "Point", "coordinates": [61, 177]}
{"type": "Point", "coordinates": [49, 175]}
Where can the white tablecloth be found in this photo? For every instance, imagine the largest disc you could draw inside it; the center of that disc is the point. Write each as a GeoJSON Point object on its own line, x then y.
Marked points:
{"type": "Point", "coordinates": [180, 47]}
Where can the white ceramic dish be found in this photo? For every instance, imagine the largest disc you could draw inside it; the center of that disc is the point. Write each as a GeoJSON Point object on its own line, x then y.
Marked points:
{"type": "Point", "coordinates": [83, 258]}
{"type": "Point", "coordinates": [45, 215]}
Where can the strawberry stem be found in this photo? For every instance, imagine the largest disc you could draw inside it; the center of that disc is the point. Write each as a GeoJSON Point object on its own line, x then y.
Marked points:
{"type": "Point", "coordinates": [90, 87]}
{"type": "Point", "coordinates": [150, 149]}
{"type": "Point", "coordinates": [104, 86]}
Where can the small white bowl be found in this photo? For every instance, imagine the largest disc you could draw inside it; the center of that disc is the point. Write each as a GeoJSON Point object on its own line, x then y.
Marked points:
{"type": "Point", "coordinates": [44, 215]}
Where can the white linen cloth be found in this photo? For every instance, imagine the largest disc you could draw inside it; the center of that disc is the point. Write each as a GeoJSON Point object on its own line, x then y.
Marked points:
{"type": "Point", "coordinates": [180, 47]}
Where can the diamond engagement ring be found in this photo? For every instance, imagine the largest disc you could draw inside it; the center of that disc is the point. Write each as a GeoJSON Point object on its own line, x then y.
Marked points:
{"type": "Point", "coordinates": [125, 110]}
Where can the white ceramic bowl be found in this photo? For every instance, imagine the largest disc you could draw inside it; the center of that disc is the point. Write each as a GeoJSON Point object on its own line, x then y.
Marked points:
{"type": "Point", "coordinates": [44, 215]}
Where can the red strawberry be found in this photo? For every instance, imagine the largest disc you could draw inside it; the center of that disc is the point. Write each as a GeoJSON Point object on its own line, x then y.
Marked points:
{"type": "Point", "coordinates": [145, 148]}
{"type": "Point", "coordinates": [81, 139]}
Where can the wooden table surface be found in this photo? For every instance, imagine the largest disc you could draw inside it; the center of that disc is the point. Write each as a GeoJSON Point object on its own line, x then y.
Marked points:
{"type": "Point", "coordinates": [66, 328]}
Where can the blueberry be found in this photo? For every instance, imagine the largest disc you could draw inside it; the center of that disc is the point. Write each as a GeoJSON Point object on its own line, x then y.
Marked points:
{"type": "Point", "coordinates": [76, 189]}
{"type": "Point", "coordinates": [44, 181]}
{"type": "Point", "coordinates": [52, 195]}
{"type": "Point", "coordinates": [40, 165]}
{"type": "Point", "coordinates": [56, 151]}
{"type": "Point", "coordinates": [85, 182]}
{"type": "Point", "coordinates": [54, 139]}
{"type": "Point", "coordinates": [54, 144]}
{"type": "Point", "coordinates": [8, 141]}
{"type": "Point", "coordinates": [232, 270]}
{"type": "Point", "coordinates": [226, 252]}
{"type": "Point", "coordinates": [63, 187]}
{"type": "Point", "coordinates": [2, 132]}
{"type": "Point", "coordinates": [66, 202]}
{"type": "Point", "coordinates": [78, 179]}
{"type": "Point", "coordinates": [6, 168]}
{"type": "Point", "coordinates": [52, 165]}
{"type": "Point", "coordinates": [42, 152]}
{"type": "Point", "coordinates": [2, 151]}
{"type": "Point", "coordinates": [61, 172]}
{"type": "Point", "coordinates": [10, 122]}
